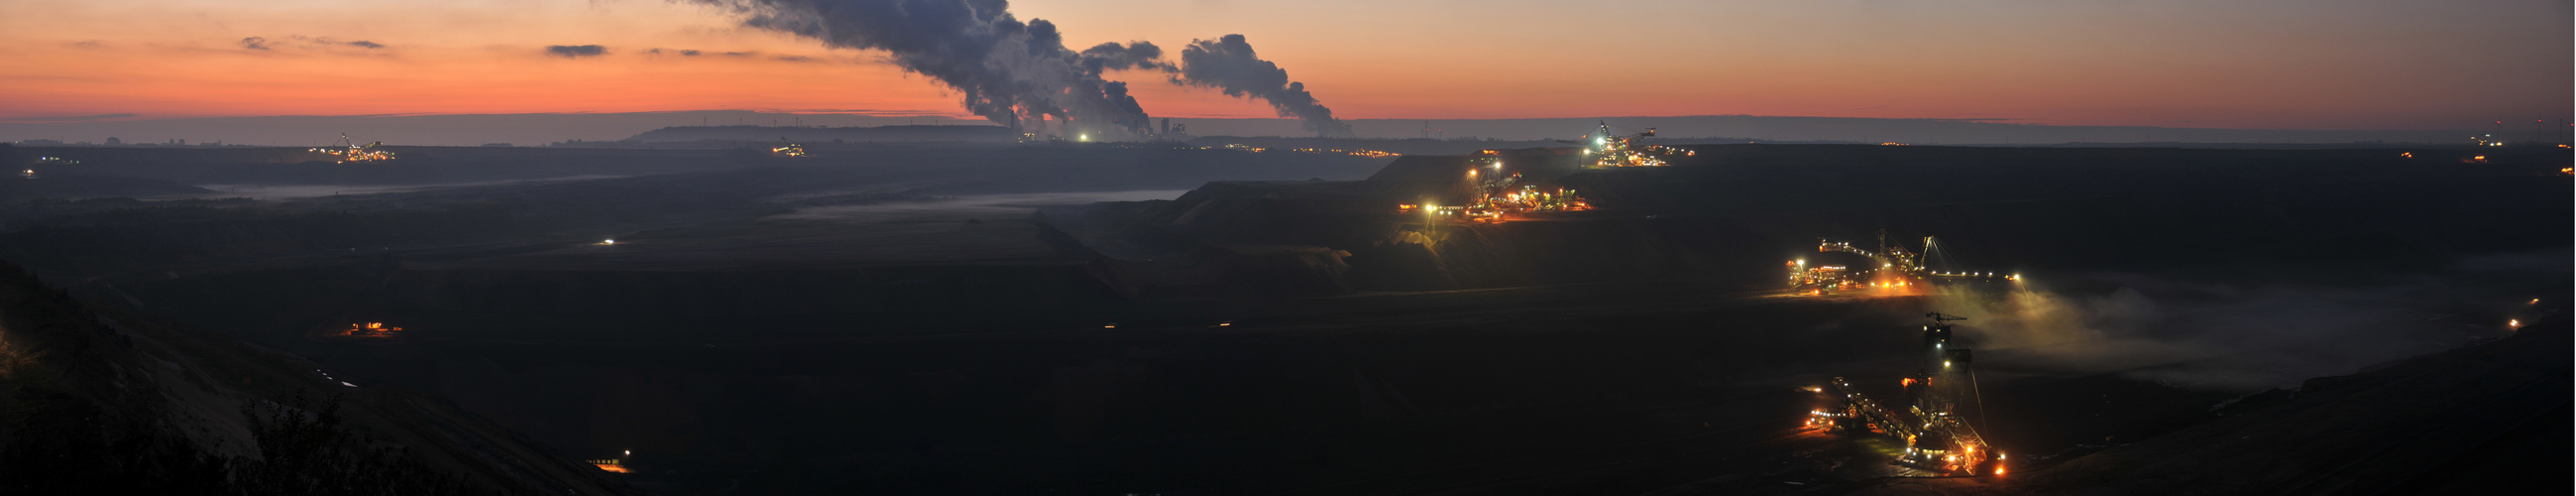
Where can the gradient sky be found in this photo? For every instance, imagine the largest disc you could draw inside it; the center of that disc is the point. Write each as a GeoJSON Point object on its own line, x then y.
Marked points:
{"type": "Point", "coordinates": [2269, 64]}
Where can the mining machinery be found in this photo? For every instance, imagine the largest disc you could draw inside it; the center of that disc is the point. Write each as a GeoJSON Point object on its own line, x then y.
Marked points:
{"type": "Point", "coordinates": [788, 148]}
{"type": "Point", "coordinates": [346, 151]}
{"type": "Point", "coordinates": [1495, 192]}
{"type": "Point", "coordinates": [1609, 149]}
{"type": "Point", "coordinates": [1924, 411]}
{"type": "Point", "coordinates": [1914, 266]}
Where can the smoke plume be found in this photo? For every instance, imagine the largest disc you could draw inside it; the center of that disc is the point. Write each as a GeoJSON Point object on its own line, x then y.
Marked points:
{"type": "Point", "coordinates": [1012, 73]}
{"type": "Point", "coordinates": [1228, 64]}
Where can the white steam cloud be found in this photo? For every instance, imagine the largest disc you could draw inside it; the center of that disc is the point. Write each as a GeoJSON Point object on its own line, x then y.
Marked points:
{"type": "Point", "coordinates": [1020, 74]}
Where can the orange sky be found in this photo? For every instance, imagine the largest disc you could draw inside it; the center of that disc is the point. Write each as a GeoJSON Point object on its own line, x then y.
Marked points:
{"type": "Point", "coordinates": [2352, 64]}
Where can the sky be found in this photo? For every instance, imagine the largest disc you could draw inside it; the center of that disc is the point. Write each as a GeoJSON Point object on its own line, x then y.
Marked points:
{"type": "Point", "coordinates": [2239, 64]}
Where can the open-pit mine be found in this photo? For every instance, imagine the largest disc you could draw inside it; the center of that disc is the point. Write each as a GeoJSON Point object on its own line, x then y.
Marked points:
{"type": "Point", "coordinates": [1598, 315]}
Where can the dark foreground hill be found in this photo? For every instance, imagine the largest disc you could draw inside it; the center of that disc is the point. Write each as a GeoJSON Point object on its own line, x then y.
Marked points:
{"type": "Point", "coordinates": [122, 404]}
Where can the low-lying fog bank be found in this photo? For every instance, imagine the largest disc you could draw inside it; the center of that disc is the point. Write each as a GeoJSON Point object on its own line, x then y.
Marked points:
{"type": "Point", "coordinates": [990, 206]}
{"type": "Point", "coordinates": [2251, 335]}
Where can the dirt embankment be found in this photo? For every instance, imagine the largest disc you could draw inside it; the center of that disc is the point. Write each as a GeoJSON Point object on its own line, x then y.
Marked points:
{"type": "Point", "coordinates": [129, 404]}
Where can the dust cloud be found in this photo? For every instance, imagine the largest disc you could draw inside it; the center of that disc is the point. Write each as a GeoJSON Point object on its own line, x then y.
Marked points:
{"type": "Point", "coordinates": [2242, 338]}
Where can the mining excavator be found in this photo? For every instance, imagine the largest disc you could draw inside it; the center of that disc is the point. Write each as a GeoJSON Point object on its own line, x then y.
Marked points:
{"type": "Point", "coordinates": [1924, 411]}
{"type": "Point", "coordinates": [346, 151]}
{"type": "Point", "coordinates": [1606, 148]}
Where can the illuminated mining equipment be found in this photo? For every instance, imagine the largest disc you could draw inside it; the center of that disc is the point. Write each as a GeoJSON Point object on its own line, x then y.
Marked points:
{"type": "Point", "coordinates": [1530, 198]}
{"type": "Point", "coordinates": [1909, 265]}
{"type": "Point", "coordinates": [1499, 192]}
{"type": "Point", "coordinates": [1616, 150]}
{"type": "Point", "coordinates": [1333, 151]}
{"type": "Point", "coordinates": [349, 151]}
{"type": "Point", "coordinates": [790, 150]}
{"type": "Point", "coordinates": [1924, 413]}
{"type": "Point", "coordinates": [1338, 151]}
{"type": "Point", "coordinates": [370, 330]}
{"type": "Point", "coordinates": [612, 465]}
{"type": "Point", "coordinates": [1825, 279]}
{"type": "Point", "coordinates": [1818, 279]}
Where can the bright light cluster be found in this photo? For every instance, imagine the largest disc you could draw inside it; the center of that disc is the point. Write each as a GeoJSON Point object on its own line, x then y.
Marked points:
{"type": "Point", "coordinates": [349, 151]}
{"type": "Point", "coordinates": [1609, 150]}
{"type": "Point", "coordinates": [1354, 153]}
{"type": "Point", "coordinates": [355, 154]}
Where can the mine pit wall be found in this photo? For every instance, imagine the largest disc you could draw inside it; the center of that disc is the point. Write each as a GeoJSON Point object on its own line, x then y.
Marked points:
{"type": "Point", "coordinates": [1746, 250]}
{"type": "Point", "coordinates": [741, 293]}
{"type": "Point", "coordinates": [2309, 216]}
{"type": "Point", "coordinates": [1299, 405]}
{"type": "Point", "coordinates": [281, 307]}
{"type": "Point", "coordinates": [1526, 254]}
